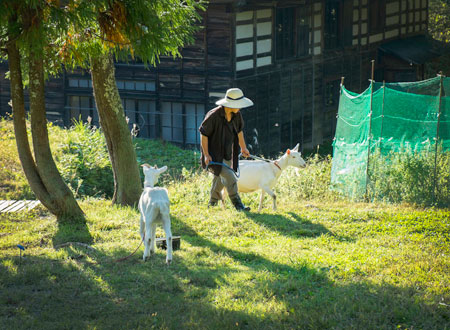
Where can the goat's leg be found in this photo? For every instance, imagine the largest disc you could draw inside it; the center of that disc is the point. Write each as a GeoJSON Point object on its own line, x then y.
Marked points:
{"type": "Point", "coordinates": [142, 228]}
{"type": "Point", "coordinates": [261, 199]}
{"type": "Point", "coordinates": [149, 218]}
{"type": "Point", "coordinates": [168, 231]}
{"type": "Point", "coordinates": [147, 239]}
{"type": "Point", "coordinates": [153, 238]}
{"type": "Point", "coordinates": [274, 197]}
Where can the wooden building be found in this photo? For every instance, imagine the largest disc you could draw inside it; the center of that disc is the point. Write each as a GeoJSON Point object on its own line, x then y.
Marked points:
{"type": "Point", "coordinates": [288, 56]}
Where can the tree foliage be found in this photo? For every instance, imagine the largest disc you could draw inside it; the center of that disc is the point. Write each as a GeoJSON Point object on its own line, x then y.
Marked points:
{"type": "Point", "coordinates": [130, 29]}
{"type": "Point", "coordinates": [439, 20]}
{"type": "Point", "coordinates": [27, 27]}
{"type": "Point", "coordinates": [81, 33]}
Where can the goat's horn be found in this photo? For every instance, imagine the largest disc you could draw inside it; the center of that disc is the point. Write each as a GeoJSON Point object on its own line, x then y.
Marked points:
{"type": "Point", "coordinates": [145, 165]}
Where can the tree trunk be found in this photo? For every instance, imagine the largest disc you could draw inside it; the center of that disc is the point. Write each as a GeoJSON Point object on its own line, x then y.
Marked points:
{"type": "Point", "coordinates": [20, 129]}
{"type": "Point", "coordinates": [127, 181]}
{"type": "Point", "coordinates": [67, 208]}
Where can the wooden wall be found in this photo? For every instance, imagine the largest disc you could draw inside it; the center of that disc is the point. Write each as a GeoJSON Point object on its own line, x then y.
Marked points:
{"type": "Point", "coordinates": [296, 99]}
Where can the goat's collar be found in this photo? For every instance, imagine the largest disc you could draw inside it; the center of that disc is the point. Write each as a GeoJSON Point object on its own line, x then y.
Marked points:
{"type": "Point", "coordinates": [276, 164]}
{"type": "Point", "coordinates": [148, 185]}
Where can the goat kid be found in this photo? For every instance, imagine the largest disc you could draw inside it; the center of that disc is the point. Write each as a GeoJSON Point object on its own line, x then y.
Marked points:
{"type": "Point", "coordinates": [154, 206]}
{"type": "Point", "coordinates": [255, 175]}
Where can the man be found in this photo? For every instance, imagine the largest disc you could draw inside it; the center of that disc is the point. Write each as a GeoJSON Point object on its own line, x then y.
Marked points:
{"type": "Point", "coordinates": [221, 136]}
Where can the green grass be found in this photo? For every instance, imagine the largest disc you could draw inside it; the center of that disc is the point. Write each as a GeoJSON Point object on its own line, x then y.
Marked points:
{"type": "Point", "coordinates": [319, 262]}
{"type": "Point", "coordinates": [310, 265]}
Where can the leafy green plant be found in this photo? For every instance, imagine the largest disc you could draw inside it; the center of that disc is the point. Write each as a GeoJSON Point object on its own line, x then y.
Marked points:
{"type": "Point", "coordinates": [409, 176]}
{"type": "Point", "coordinates": [84, 162]}
{"type": "Point", "coordinates": [311, 182]}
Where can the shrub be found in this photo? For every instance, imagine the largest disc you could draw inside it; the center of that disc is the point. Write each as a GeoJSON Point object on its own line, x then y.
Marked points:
{"type": "Point", "coordinates": [312, 182]}
{"type": "Point", "coordinates": [409, 176]}
{"type": "Point", "coordinates": [84, 162]}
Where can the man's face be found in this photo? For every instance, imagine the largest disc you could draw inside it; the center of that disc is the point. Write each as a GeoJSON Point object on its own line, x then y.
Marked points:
{"type": "Point", "coordinates": [234, 110]}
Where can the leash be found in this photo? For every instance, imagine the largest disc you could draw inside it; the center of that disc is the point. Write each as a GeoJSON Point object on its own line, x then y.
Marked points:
{"type": "Point", "coordinates": [264, 160]}
{"type": "Point", "coordinates": [22, 248]}
{"type": "Point", "coordinates": [130, 255]}
{"type": "Point", "coordinates": [237, 174]}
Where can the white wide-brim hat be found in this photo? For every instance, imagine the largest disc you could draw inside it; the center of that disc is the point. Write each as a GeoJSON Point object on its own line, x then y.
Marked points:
{"type": "Point", "coordinates": [234, 98]}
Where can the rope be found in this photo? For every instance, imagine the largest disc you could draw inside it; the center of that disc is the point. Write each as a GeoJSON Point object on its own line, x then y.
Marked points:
{"type": "Point", "coordinates": [130, 255]}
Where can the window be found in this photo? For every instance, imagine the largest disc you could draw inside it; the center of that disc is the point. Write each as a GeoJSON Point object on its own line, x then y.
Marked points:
{"type": "Point", "coordinates": [147, 113]}
{"type": "Point", "coordinates": [180, 122]}
{"type": "Point", "coordinates": [194, 118]}
{"type": "Point", "coordinates": [253, 39]}
{"type": "Point", "coordinates": [302, 32]}
{"type": "Point", "coordinates": [377, 13]}
{"type": "Point", "coordinates": [141, 116]}
{"type": "Point", "coordinates": [284, 33]}
{"type": "Point", "coordinates": [338, 23]}
{"type": "Point", "coordinates": [331, 33]}
{"type": "Point", "coordinates": [80, 108]}
{"type": "Point", "coordinates": [130, 85]}
{"type": "Point", "coordinates": [292, 29]}
{"type": "Point", "coordinates": [80, 83]}
{"type": "Point", "coordinates": [172, 121]}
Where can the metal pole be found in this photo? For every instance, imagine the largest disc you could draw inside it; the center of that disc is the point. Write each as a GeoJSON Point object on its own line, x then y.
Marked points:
{"type": "Point", "coordinates": [290, 110]}
{"type": "Point", "coordinates": [370, 126]}
{"type": "Point", "coordinates": [382, 116]}
{"type": "Point", "coordinates": [337, 115]}
{"type": "Point", "coordinates": [437, 135]}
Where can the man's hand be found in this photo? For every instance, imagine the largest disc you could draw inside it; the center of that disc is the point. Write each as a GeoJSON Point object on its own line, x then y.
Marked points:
{"type": "Point", "coordinates": [245, 152]}
{"type": "Point", "coordinates": [207, 159]}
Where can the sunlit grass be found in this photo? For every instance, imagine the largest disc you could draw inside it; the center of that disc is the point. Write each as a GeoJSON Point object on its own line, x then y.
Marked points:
{"type": "Point", "coordinates": [319, 262]}
{"type": "Point", "coordinates": [312, 264]}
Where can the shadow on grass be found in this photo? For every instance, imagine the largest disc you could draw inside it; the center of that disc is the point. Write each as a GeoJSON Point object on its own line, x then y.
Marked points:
{"type": "Point", "coordinates": [295, 228]}
{"type": "Point", "coordinates": [70, 232]}
{"type": "Point", "coordinates": [95, 292]}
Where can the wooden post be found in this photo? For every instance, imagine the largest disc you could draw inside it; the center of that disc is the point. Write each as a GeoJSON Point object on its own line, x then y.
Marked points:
{"type": "Point", "coordinates": [370, 126]}
{"type": "Point", "coordinates": [437, 134]}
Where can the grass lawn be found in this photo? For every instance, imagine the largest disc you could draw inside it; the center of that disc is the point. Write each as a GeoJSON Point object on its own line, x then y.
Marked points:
{"type": "Point", "coordinates": [319, 262]}
{"type": "Point", "coordinates": [310, 265]}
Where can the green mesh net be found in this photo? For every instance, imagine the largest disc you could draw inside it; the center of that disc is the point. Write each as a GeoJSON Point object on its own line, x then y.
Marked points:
{"type": "Point", "coordinates": [400, 151]}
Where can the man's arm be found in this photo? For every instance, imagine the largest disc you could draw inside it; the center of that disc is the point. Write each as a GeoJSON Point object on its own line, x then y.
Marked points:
{"type": "Point", "coordinates": [204, 142]}
{"type": "Point", "coordinates": [242, 144]}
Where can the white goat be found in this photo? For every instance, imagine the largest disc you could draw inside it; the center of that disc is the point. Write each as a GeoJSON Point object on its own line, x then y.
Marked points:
{"type": "Point", "coordinates": [154, 206]}
{"type": "Point", "coordinates": [263, 175]}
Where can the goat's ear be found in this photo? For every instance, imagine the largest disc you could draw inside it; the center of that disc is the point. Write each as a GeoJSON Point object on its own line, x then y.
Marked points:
{"type": "Point", "coordinates": [288, 151]}
{"type": "Point", "coordinates": [162, 169]}
{"type": "Point", "coordinates": [296, 147]}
